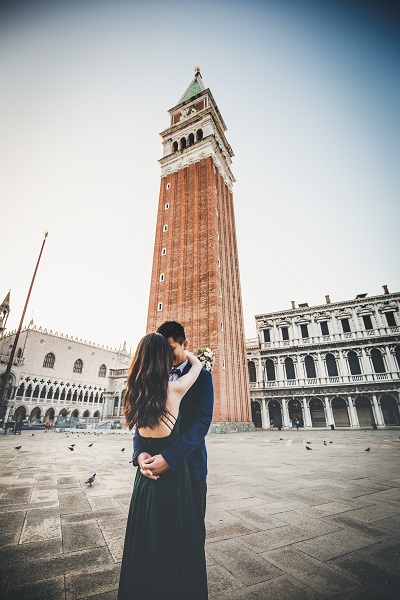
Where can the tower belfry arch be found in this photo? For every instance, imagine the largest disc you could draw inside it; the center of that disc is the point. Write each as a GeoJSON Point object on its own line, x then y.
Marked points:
{"type": "Point", "coordinates": [195, 275]}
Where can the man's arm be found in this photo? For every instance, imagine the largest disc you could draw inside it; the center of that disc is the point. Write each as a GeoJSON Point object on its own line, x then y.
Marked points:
{"type": "Point", "coordinates": [180, 450]}
{"type": "Point", "coordinates": [138, 448]}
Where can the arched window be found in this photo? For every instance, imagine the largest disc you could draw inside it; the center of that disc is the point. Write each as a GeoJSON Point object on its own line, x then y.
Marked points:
{"type": "Point", "coordinates": [354, 363]}
{"type": "Point", "coordinates": [62, 397]}
{"type": "Point", "coordinates": [175, 147]}
{"type": "Point", "coordinates": [50, 394]}
{"type": "Point", "coordinates": [331, 365]}
{"type": "Point", "coordinates": [80, 397]}
{"type": "Point", "coordinates": [78, 366]}
{"type": "Point", "coordinates": [183, 143]}
{"type": "Point", "coordinates": [191, 139]}
{"type": "Point", "coordinates": [289, 368]}
{"type": "Point", "coordinates": [28, 392]}
{"type": "Point", "coordinates": [69, 396]}
{"type": "Point", "coordinates": [43, 392]}
{"type": "Point", "coordinates": [21, 390]}
{"type": "Point", "coordinates": [252, 371]}
{"type": "Point", "coordinates": [102, 371]}
{"type": "Point", "coordinates": [57, 394]}
{"type": "Point", "coordinates": [270, 368]}
{"type": "Point", "coordinates": [86, 397]}
{"type": "Point", "coordinates": [310, 367]}
{"type": "Point", "coordinates": [35, 392]}
{"type": "Point", "coordinates": [199, 135]}
{"type": "Point", "coordinates": [377, 361]}
{"type": "Point", "coordinates": [75, 396]}
{"type": "Point", "coordinates": [19, 353]}
{"type": "Point", "coordinates": [49, 361]}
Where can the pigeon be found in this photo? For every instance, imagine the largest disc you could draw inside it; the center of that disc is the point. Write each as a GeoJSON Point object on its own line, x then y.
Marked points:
{"type": "Point", "coordinates": [331, 442]}
{"type": "Point", "coordinates": [17, 447]}
{"type": "Point", "coordinates": [308, 442]}
{"type": "Point", "coordinates": [91, 479]}
{"type": "Point", "coordinates": [90, 445]}
{"type": "Point", "coordinates": [73, 445]}
{"type": "Point", "coordinates": [281, 439]}
{"type": "Point", "coordinates": [33, 434]}
{"type": "Point", "coordinates": [123, 450]}
{"type": "Point", "coordinates": [70, 448]}
{"type": "Point", "coordinates": [367, 449]}
{"type": "Point", "coordinates": [325, 444]}
{"type": "Point", "coordinates": [308, 448]}
{"type": "Point", "coordinates": [131, 461]}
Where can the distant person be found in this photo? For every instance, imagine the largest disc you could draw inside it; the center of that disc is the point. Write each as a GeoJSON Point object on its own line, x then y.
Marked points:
{"type": "Point", "coordinates": [163, 554]}
{"type": "Point", "coordinates": [297, 423]}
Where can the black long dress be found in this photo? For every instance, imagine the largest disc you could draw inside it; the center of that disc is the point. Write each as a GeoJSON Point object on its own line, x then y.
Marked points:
{"type": "Point", "coordinates": [163, 555]}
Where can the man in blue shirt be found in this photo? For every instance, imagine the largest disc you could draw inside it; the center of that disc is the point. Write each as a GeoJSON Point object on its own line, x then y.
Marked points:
{"type": "Point", "coordinates": [196, 415]}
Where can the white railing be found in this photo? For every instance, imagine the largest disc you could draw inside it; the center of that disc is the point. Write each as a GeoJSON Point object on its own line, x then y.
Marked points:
{"type": "Point", "coordinates": [4, 358]}
{"type": "Point", "coordinates": [118, 373]}
{"type": "Point", "coordinates": [341, 379]}
{"type": "Point", "coordinates": [326, 339]}
{"type": "Point", "coordinates": [252, 343]}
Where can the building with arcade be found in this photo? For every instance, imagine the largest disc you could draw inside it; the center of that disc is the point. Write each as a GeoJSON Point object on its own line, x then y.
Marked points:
{"type": "Point", "coordinates": [55, 375]}
{"type": "Point", "coordinates": [332, 365]}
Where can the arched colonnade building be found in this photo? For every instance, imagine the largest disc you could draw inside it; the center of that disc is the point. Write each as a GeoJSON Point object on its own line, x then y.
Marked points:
{"type": "Point", "coordinates": [336, 364]}
{"type": "Point", "coordinates": [55, 375]}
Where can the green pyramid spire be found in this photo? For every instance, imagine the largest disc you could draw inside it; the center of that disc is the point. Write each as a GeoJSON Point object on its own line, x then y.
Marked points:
{"type": "Point", "coordinates": [194, 88]}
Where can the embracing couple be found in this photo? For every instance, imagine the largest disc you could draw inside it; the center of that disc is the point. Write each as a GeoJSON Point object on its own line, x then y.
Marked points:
{"type": "Point", "coordinates": [169, 400]}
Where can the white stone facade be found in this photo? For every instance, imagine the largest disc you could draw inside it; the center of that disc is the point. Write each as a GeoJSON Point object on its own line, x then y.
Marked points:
{"type": "Point", "coordinates": [56, 375]}
{"type": "Point", "coordinates": [337, 364]}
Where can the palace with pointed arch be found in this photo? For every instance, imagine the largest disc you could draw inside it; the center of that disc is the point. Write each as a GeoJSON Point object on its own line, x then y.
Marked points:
{"type": "Point", "coordinates": [56, 376]}
{"type": "Point", "coordinates": [333, 365]}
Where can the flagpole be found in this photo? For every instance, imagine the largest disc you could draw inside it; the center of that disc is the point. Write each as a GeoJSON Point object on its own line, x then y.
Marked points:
{"type": "Point", "coordinates": [6, 375]}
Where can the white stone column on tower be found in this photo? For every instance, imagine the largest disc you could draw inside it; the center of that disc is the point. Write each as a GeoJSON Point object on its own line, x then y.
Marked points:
{"type": "Point", "coordinates": [300, 368]}
{"type": "Point", "coordinates": [321, 369]}
{"type": "Point", "coordinates": [353, 417]}
{"type": "Point", "coordinates": [330, 420]}
{"type": "Point", "coordinates": [343, 367]}
{"type": "Point", "coordinates": [306, 414]}
{"type": "Point", "coordinates": [379, 420]}
{"type": "Point", "coordinates": [279, 369]}
{"type": "Point", "coordinates": [285, 413]}
{"type": "Point", "coordinates": [366, 364]}
{"type": "Point", "coordinates": [390, 361]}
{"type": "Point", "coordinates": [260, 371]}
{"type": "Point", "coordinates": [266, 424]}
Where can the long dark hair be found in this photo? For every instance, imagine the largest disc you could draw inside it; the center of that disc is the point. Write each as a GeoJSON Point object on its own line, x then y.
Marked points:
{"type": "Point", "coordinates": [146, 394]}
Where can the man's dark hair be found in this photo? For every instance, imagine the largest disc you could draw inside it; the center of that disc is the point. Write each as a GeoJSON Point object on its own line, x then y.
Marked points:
{"type": "Point", "coordinates": [174, 330]}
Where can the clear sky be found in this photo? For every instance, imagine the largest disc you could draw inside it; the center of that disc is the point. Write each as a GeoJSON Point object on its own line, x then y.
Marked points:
{"type": "Point", "coordinates": [310, 93]}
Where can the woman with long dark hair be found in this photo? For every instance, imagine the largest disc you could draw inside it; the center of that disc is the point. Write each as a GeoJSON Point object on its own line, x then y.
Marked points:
{"type": "Point", "coordinates": [163, 554]}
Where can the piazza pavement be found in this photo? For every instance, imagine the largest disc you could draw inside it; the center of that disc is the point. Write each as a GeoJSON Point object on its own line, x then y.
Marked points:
{"type": "Point", "coordinates": [283, 522]}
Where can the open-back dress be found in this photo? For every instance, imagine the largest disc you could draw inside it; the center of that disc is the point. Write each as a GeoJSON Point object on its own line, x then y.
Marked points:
{"type": "Point", "coordinates": [163, 555]}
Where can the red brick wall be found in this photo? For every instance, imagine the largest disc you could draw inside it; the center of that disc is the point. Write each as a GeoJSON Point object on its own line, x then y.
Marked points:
{"type": "Point", "coordinates": [201, 206]}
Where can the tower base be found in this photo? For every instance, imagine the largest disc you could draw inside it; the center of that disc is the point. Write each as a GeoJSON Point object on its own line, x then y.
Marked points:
{"type": "Point", "coordinates": [231, 427]}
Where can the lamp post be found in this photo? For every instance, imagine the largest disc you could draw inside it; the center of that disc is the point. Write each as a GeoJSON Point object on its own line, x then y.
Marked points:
{"type": "Point", "coordinates": [6, 376]}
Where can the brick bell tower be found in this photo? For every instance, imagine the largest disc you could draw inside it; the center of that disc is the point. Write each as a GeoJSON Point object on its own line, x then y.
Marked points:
{"type": "Point", "coordinates": [195, 277]}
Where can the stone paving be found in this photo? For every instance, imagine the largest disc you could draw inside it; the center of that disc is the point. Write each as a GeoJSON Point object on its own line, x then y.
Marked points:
{"type": "Point", "coordinates": [283, 522]}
